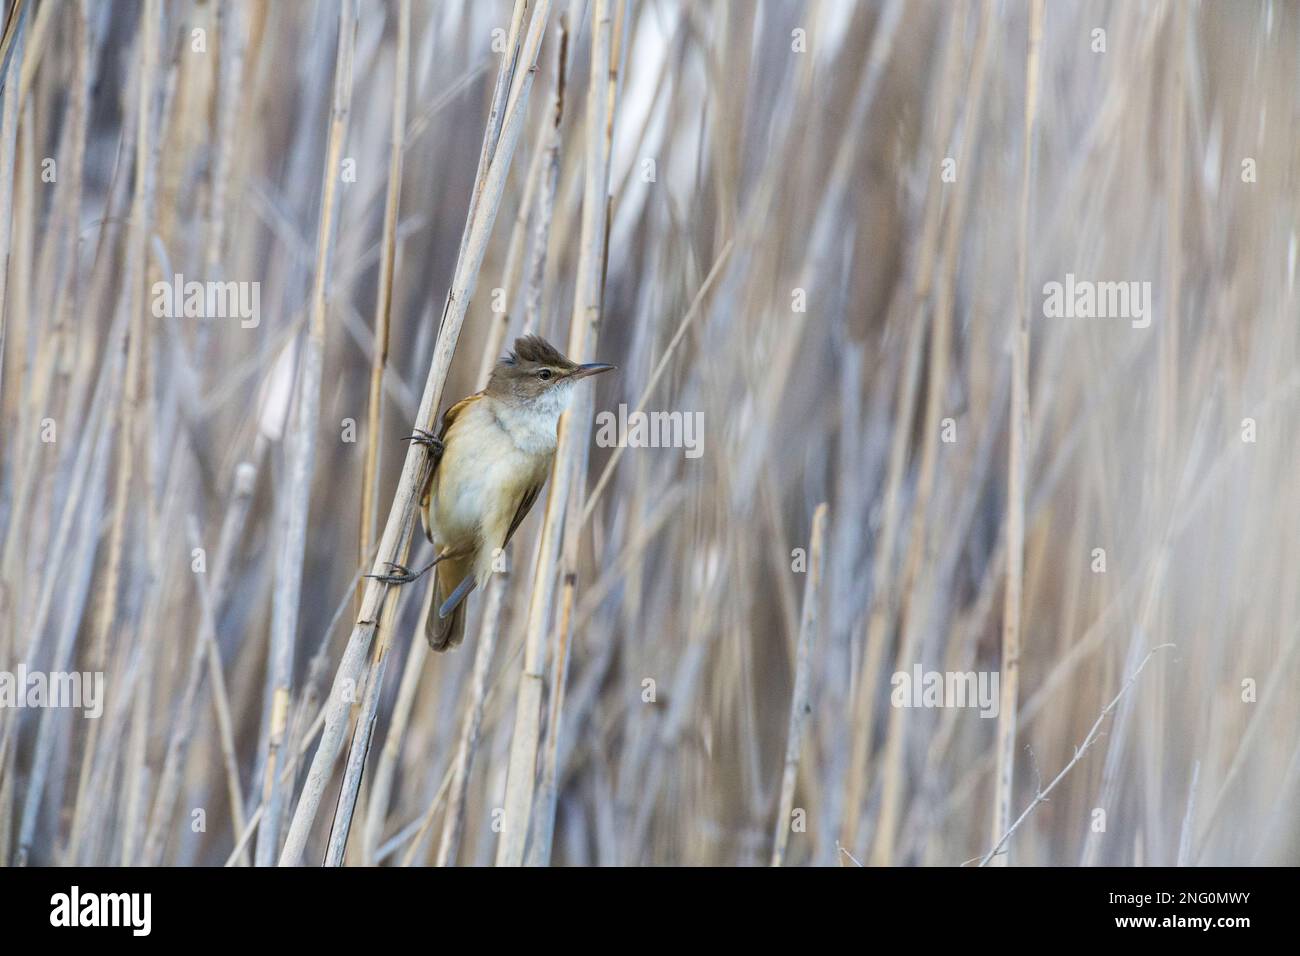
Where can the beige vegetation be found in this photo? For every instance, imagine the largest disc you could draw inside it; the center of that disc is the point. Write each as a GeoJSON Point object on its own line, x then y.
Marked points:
{"type": "Point", "coordinates": [826, 228]}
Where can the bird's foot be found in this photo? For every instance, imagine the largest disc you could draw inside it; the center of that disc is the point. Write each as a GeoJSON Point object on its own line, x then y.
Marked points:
{"type": "Point", "coordinates": [429, 440]}
{"type": "Point", "coordinates": [400, 574]}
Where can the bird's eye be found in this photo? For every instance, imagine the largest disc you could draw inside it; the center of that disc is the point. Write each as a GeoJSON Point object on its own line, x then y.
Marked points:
{"type": "Point", "coordinates": [544, 375]}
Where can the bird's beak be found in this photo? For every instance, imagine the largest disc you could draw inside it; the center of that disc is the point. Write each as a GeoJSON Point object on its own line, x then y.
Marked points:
{"type": "Point", "coordinates": [593, 368]}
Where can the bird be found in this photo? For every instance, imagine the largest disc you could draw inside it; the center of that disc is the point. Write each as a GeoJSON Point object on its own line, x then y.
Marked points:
{"type": "Point", "coordinates": [492, 455]}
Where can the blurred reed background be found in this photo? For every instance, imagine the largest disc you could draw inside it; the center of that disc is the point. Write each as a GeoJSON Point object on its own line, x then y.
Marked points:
{"type": "Point", "coordinates": [185, 505]}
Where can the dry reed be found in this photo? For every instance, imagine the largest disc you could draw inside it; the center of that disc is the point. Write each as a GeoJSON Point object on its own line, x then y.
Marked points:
{"type": "Point", "coordinates": [825, 231]}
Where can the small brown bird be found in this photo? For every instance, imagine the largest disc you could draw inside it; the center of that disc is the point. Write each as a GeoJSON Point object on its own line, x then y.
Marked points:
{"type": "Point", "coordinates": [492, 456]}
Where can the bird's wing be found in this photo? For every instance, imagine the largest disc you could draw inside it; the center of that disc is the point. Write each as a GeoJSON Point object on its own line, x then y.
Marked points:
{"type": "Point", "coordinates": [426, 495]}
{"type": "Point", "coordinates": [525, 505]}
{"type": "Point", "coordinates": [426, 502]}
{"type": "Point", "coordinates": [450, 415]}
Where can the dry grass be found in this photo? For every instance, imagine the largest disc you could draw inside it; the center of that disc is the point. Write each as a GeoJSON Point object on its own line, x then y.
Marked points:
{"type": "Point", "coordinates": [183, 500]}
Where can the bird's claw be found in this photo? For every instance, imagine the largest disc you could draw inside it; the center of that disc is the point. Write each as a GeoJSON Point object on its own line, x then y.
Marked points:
{"type": "Point", "coordinates": [400, 574]}
{"type": "Point", "coordinates": [428, 440]}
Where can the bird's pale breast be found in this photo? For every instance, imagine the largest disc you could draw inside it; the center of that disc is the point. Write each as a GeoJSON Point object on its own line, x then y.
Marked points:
{"type": "Point", "coordinates": [482, 477]}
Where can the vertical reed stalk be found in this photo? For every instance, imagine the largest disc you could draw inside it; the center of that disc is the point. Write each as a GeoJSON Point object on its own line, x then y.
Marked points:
{"type": "Point", "coordinates": [1016, 468]}
{"type": "Point", "coordinates": [571, 444]}
{"type": "Point", "coordinates": [302, 451]}
{"type": "Point", "coordinates": [800, 702]}
{"type": "Point", "coordinates": [505, 125]}
{"type": "Point", "coordinates": [384, 292]}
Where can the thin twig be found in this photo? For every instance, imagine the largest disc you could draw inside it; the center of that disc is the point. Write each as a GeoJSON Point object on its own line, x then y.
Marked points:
{"type": "Point", "coordinates": [1079, 751]}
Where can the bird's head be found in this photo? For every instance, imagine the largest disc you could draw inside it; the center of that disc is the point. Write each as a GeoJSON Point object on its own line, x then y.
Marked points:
{"type": "Point", "coordinates": [537, 375]}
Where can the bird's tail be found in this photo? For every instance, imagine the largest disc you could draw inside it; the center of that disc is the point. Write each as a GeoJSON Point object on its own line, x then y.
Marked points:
{"type": "Point", "coordinates": [445, 624]}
